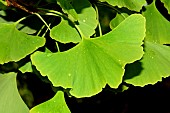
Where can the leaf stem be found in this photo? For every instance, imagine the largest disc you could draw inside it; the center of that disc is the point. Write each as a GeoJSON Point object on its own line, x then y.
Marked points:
{"type": "Point", "coordinates": [56, 13]}
{"type": "Point", "coordinates": [99, 26]}
{"type": "Point", "coordinates": [112, 7]}
{"type": "Point", "coordinates": [42, 20]}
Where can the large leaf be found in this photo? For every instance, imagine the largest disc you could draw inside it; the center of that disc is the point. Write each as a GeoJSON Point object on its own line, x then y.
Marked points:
{"type": "Point", "coordinates": [15, 45]}
{"type": "Point", "coordinates": [10, 100]}
{"type": "Point", "coordinates": [65, 33]}
{"type": "Point", "coordinates": [155, 65]}
{"type": "Point", "coordinates": [55, 105]}
{"type": "Point", "coordinates": [93, 63]}
{"type": "Point", "coordinates": [130, 4]}
{"type": "Point", "coordinates": [167, 4]}
{"type": "Point", "coordinates": [157, 27]}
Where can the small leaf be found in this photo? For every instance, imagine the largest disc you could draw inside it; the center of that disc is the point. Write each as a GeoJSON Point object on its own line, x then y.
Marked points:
{"type": "Point", "coordinates": [157, 27]}
{"type": "Point", "coordinates": [166, 4]}
{"type": "Point", "coordinates": [65, 33]}
{"type": "Point", "coordinates": [10, 100]}
{"type": "Point", "coordinates": [117, 20]}
{"type": "Point", "coordinates": [135, 5]}
{"type": "Point", "coordinates": [93, 63]}
{"type": "Point", "coordinates": [26, 68]}
{"type": "Point", "coordinates": [15, 45]}
{"type": "Point", "coordinates": [55, 105]}
{"type": "Point", "coordinates": [68, 8]}
{"type": "Point", "coordinates": [87, 21]}
{"type": "Point", "coordinates": [155, 65]}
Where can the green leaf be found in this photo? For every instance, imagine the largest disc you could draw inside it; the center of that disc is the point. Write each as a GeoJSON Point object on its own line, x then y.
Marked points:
{"type": "Point", "coordinates": [155, 65]}
{"type": "Point", "coordinates": [166, 4]}
{"type": "Point", "coordinates": [93, 63]}
{"type": "Point", "coordinates": [65, 32]}
{"type": "Point", "coordinates": [26, 68]}
{"type": "Point", "coordinates": [157, 27]}
{"type": "Point", "coordinates": [117, 20]}
{"type": "Point", "coordinates": [10, 100]}
{"type": "Point", "coordinates": [55, 105]}
{"type": "Point", "coordinates": [68, 8]}
{"type": "Point", "coordinates": [15, 45]}
{"type": "Point", "coordinates": [135, 5]}
{"type": "Point", "coordinates": [87, 21]}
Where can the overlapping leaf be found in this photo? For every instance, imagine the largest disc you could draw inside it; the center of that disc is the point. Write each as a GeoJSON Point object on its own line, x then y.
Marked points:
{"type": "Point", "coordinates": [156, 60]}
{"type": "Point", "coordinates": [15, 45]}
{"type": "Point", "coordinates": [10, 100]}
{"type": "Point", "coordinates": [65, 33]}
{"type": "Point", "coordinates": [93, 63]}
{"type": "Point", "coordinates": [155, 65]}
{"type": "Point", "coordinates": [55, 105]}
{"type": "Point", "coordinates": [167, 4]}
{"type": "Point", "coordinates": [157, 26]}
{"type": "Point", "coordinates": [86, 23]}
{"type": "Point", "coordinates": [68, 8]}
{"type": "Point", "coordinates": [130, 4]}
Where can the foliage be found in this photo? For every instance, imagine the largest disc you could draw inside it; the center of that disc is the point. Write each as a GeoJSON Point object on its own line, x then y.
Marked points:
{"type": "Point", "coordinates": [66, 41]}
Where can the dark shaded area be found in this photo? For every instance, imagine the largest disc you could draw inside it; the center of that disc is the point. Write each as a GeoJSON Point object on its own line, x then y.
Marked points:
{"type": "Point", "coordinates": [148, 99]}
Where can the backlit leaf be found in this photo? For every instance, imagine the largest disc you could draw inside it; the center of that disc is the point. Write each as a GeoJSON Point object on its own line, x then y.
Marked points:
{"type": "Point", "coordinates": [155, 65]}
{"type": "Point", "coordinates": [65, 33]}
{"type": "Point", "coordinates": [93, 63]}
{"type": "Point", "coordinates": [10, 100]}
{"type": "Point", "coordinates": [55, 105]}
{"type": "Point", "coordinates": [157, 27]}
{"type": "Point", "coordinates": [15, 45]}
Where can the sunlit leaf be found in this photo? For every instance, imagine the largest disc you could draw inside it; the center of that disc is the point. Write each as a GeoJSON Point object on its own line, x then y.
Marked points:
{"type": "Point", "coordinates": [117, 20]}
{"type": "Point", "coordinates": [130, 4]}
{"type": "Point", "coordinates": [55, 105]}
{"type": "Point", "coordinates": [166, 4]}
{"type": "Point", "coordinates": [65, 33]}
{"type": "Point", "coordinates": [68, 8]}
{"type": "Point", "coordinates": [86, 17]}
{"type": "Point", "coordinates": [26, 68]}
{"type": "Point", "coordinates": [93, 63]}
{"type": "Point", "coordinates": [10, 100]}
{"type": "Point", "coordinates": [155, 65]}
{"type": "Point", "coordinates": [15, 45]}
{"type": "Point", "coordinates": [157, 27]}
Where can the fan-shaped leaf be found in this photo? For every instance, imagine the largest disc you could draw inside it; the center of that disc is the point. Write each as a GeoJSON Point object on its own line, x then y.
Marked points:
{"type": "Point", "coordinates": [65, 33]}
{"type": "Point", "coordinates": [15, 45]}
{"type": "Point", "coordinates": [157, 27]}
{"type": "Point", "coordinates": [55, 105]}
{"type": "Point", "coordinates": [93, 63]}
{"type": "Point", "coordinates": [155, 64]}
{"type": "Point", "coordinates": [10, 100]}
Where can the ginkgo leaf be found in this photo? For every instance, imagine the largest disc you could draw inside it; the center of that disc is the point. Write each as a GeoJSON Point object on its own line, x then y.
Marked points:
{"type": "Point", "coordinates": [65, 33]}
{"type": "Point", "coordinates": [68, 8]}
{"type": "Point", "coordinates": [117, 20]}
{"type": "Point", "coordinates": [10, 100]}
{"type": "Point", "coordinates": [157, 27]}
{"type": "Point", "coordinates": [93, 63]}
{"type": "Point", "coordinates": [155, 65]}
{"type": "Point", "coordinates": [26, 68]}
{"type": "Point", "coordinates": [166, 4]}
{"type": "Point", "coordinates": [15, 45]}
{"type": "Point", "coordinates": [135, 5]}
{"type": "Point", "coordinates": [55, 105]}
{"type": "Point", "coordinates": [87, 21]}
